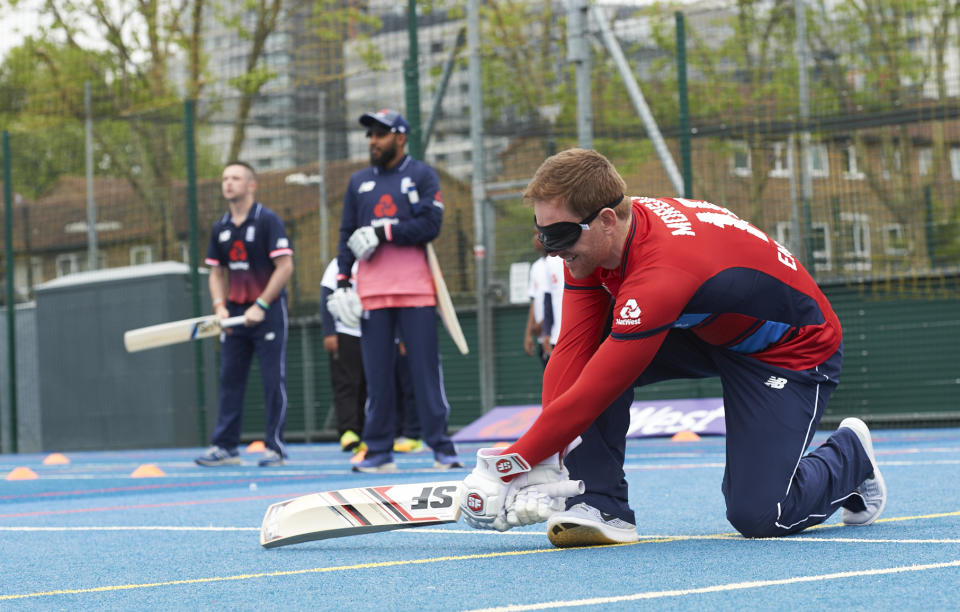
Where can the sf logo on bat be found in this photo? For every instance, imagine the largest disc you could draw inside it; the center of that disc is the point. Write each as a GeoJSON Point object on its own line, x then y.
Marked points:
{"type": "Point", "coordinates": [434, 497]}
{"type": "Point", "coordinates": [205, 327]}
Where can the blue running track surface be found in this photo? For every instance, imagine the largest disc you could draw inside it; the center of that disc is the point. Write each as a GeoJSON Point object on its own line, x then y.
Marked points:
{"type": "Point", "coordinates": [87, 535]}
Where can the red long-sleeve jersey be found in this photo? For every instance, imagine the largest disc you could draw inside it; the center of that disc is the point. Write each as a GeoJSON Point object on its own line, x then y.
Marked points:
{"type": "Point", "coordinates": [686, 264]}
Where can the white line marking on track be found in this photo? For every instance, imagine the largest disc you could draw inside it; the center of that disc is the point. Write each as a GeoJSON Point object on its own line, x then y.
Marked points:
{"type": "Point", "coordinates": [259, 476]}
{"type": "Point", "coordinates": [660, 536]}
{"type": "Point", "coordinates": [480, 532]}
{"type": "Point", "coordinates": [630, 466]}
{"type": "Point", "coordinates": [130, 528]}
{"type": "Point", "coordinates": [889, 463]}
{"type": "Point", "coordinates": [718, 588]}
{"type": "Point", "coordinates": [873, 541]}
{"type": "Point", "coordinates": [474, 531]}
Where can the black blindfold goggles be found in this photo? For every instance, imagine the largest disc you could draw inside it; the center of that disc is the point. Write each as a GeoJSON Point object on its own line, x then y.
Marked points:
{"type": "Point", "coordinates": [563, 235]}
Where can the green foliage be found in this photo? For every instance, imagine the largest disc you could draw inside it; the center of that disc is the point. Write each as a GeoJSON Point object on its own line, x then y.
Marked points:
{"type": "Point", "coordinates": [251, 81]}
{"type": "Point", "coordinates": [946, 238]}
{"type": "Point", "coordinates": [331, 20]}
{"type": "Point", "coordinates": [371, 55]}
{"type": "Point", "coordinates": [519, 77]}
{"type": "Point", "coordinates": [42, 94]}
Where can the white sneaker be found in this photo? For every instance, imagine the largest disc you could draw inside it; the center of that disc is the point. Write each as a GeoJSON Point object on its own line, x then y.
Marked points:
{"type": "Point", "coordinates": [873, 490]}
{"type": "Point", "coordinates": [219, 456]}
{"type": "Point", "coordinates": [271, 458]}
{"type": "Point", "coordinates": [584, 525]}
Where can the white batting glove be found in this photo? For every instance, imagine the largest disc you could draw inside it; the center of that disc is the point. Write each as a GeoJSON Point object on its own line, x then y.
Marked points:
{"type": "Point", "coordinates": [487, 495]}
{"type": "Point", "coordinates": [344, 304]}
{"type": "Point", "coordinates": [363, 242]}
{"type": "Point", "coordinates": [547, 488]}
{"type": "Point", "coordinates": [544, 492]}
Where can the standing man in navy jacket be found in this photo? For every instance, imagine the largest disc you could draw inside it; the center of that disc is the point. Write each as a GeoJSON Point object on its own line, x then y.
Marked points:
{"type": "Point", "coordinates": [251, 260]}
{"type": "Point", "coordinates": [391, 209]}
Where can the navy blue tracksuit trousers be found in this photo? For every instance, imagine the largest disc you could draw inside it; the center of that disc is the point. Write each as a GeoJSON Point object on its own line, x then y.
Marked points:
{"type": "Point", "coordinates": [770, 486]}
{"type": "Point", "coordinates": [417, 327]}
{"type": "Point", "coordinates": [269, 341]}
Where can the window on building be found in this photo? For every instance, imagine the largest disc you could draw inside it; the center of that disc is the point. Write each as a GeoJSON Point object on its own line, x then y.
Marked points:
{"type": "Point", "coordinates": [855, 235]}
{"type": "Point", "coordinates": [27, 275]}
{"type": "Point", "coordinates": [141, 254]}
{"type": "Point", "coordinates": [851, 172]}
{"type": "Point", "coordinates": [67, 263]}
{"type": "Point", "coordinates": [897, 165]}
{"type": "Point", "coordinates": [955, 163]}
{"type": "Point", "coordinates": [857, 79]}
{"type": "Point", "coordinates": [819, 243]}
{"type": "Point", "coordinates": [740, 160]}
{"type": "Point", "coordinates": [924, 160]}
{"type": "Point", "coordinates": [783, 234]}
{"type": "Point", "coordinates": [819, 162]}
{"type": "Point", "coordinates": [894, 240]}
{"type": "Point", "coordinates": [780, 164]}
{"type": "Point", "coordinates": [820, 247]}
{"type": "Point", "coordinates": [36, 267]}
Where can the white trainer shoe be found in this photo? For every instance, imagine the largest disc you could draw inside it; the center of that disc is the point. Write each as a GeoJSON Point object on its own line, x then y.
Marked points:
{"type": "Point", "coordinates": [873, 490]}
{"type": "Point", "coordinates": [584, 525]}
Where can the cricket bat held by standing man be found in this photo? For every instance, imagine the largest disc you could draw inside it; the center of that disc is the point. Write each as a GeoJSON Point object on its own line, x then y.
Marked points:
{"type": "Point", "coordinates": [175, 332]}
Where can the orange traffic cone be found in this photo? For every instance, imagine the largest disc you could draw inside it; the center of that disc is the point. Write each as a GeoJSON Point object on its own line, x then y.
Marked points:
{"type": "Point", "coordinates": [147, 470]}
{"type": "Point", "coordinates": [55, 459]}
{"type": "Point", "coordinates": [22, 473]}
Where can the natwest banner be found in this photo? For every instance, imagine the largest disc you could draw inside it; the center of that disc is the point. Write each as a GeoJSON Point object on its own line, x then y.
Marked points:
{"type": "Point", "coordinates": [647, 419]}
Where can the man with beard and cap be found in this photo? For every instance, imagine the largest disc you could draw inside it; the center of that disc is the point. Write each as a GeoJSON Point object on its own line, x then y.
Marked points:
{"type": "Point", "coordinates": [391, 210]}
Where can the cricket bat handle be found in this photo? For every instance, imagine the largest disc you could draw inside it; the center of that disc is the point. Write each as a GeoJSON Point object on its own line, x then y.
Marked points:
{"type": "Point", "coordinates": [232, 321]}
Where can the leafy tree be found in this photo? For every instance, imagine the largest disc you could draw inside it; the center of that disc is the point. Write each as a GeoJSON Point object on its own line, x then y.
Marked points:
{"type": "Point", "coordinates": [125, 49]}
{"type": "Point", "coordinates": [866, 56]}
{"type": "Point", "coordinates": [890, 54]}
{"type": "Point", "coordinates": [44, 145]}
{"type": "Point", "coordinates": [742, 68]}
{"type": "Point", "coordinates": [131, 51]}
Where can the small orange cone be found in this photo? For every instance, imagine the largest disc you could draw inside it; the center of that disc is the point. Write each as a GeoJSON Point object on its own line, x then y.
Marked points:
{"type": "Point", "coordinates": [147, 470]}
{"type": "Point", "coordinates": [256, 447]}
{"type": "Point", "coordinates": [501, 445]}
{"type": "Point", "coordinates": [56, 459]}
{"type": "Point", "coordinates": [685, 436]}
{"type": "Point", "coordinates": [22, 473]}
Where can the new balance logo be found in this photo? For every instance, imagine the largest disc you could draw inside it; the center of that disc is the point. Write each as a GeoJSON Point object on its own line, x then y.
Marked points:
{"type": "Point", "coordinates": [775, 382]}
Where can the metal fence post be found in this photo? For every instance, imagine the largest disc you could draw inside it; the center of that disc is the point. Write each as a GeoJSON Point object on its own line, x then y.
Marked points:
{"type": "Point", "coordinates": [11, 298]}
{"type": "Point", "coordinates": [685, 162]}
{"type": "Point", "coordinates": [188, 131]}
{"type": "Point", "coordinates": [481, 257]}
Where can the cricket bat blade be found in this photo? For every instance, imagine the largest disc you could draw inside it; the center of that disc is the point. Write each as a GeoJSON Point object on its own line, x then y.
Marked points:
{"type": "Point", "coordinates": [177, 331]}
{"type": "Point", "coordinates": [448, 314]}
{"type": "Point", "coordinates": [346, 512]}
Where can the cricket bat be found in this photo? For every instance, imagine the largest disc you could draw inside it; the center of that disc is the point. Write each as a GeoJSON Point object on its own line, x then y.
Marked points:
{"type": "Point", "coordinates": [177, 331]}
{"type": "Point", "coordinates": [346, 512]}
{"type": "Point", "coordinates": [444, 304]}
